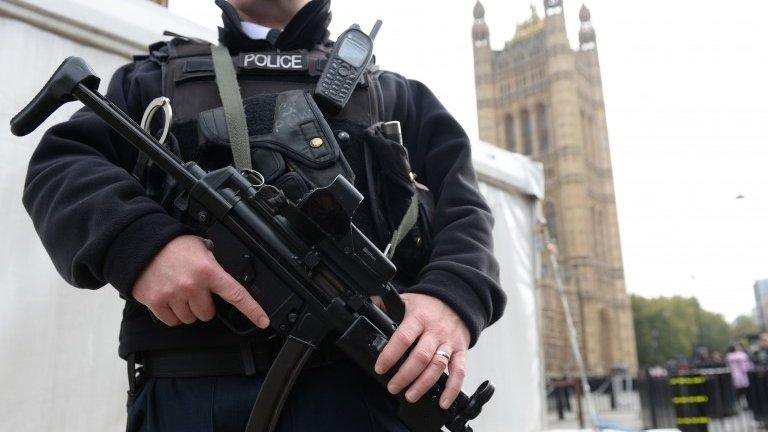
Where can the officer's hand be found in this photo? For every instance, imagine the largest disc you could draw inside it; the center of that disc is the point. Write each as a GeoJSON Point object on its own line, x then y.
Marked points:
{"type": "Point", "coordinates": [436, 327]}
{"type": "Point", "coordinates": [177, 285]}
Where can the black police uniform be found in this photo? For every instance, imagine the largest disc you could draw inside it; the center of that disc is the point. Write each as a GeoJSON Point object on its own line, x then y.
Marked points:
{"type": "Point", "coordinates": [100, 226]}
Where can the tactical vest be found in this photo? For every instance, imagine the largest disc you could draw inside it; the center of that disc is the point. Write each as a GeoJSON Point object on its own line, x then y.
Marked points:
{"type": "Point", "coordinates": [379, 168]}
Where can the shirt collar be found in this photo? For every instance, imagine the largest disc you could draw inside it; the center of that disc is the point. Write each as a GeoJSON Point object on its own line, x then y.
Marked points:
{"type": "Point", "coordinates": [306, 30]}
{"type": "Point", "coordinates": [254, 31]}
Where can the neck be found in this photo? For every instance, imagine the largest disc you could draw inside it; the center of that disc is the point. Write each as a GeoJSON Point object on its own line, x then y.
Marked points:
{"type": "Point", "coordinates": [268, 13]}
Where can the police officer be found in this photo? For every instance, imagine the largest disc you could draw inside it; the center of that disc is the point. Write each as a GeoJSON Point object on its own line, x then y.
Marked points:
{"type": "Point", "coordinates": [101, 224]}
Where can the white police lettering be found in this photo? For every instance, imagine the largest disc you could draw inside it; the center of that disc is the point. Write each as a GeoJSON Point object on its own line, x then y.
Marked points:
{"type": "Point", "coordinates": [275, 61]}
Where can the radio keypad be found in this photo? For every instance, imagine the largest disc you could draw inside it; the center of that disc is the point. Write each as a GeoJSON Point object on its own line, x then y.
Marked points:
{"type": "Point", "coordinates": [339, 80]}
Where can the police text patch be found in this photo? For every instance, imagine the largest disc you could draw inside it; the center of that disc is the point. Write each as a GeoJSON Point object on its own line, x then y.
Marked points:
{"type": "Point", "coordinates": [286, 61]}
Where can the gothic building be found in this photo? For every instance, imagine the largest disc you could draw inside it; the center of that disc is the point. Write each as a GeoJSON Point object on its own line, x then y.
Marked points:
{"type": "Point", "coordinates": [540, 97]}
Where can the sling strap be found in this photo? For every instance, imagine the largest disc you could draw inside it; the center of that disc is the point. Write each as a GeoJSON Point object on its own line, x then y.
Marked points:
{"type": "Point", "coordinates": [392, 131]}
{"type": "Point", "coordinates": [232, 101]}
{"type": "Point", "coordinates": [408, 221]}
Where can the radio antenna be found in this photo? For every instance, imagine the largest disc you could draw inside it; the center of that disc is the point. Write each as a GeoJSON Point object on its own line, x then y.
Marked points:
{"type": "Point", "coordinates": [375, 29]}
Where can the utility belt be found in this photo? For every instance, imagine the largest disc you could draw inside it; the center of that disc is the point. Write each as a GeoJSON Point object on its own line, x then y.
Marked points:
{"type": "Point", "coordinates": [243, 360]}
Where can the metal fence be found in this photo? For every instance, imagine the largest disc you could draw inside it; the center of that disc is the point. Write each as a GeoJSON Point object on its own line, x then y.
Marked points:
{"type": "Point", "coordinates": [704, 400]}
{"type": "Point", "coordinates": [615, 399]}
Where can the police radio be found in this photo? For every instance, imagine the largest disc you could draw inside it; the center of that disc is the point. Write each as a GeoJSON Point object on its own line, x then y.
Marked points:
{"type": "Point", "coordinates": [350, 56]}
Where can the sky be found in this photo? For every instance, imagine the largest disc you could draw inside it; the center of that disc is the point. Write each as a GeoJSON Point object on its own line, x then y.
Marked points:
{"type": "Point", "coordinates": [686, 90]}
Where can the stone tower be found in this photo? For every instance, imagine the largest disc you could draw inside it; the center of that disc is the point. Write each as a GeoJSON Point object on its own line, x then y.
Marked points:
{"type": "Point", "coordinates": [540, 97]}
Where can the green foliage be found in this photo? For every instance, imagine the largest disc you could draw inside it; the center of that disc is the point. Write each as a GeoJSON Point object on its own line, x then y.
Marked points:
{"type": "Point", "coordinates": [743, 327]}
{"type": "Point", "coordinates": [716, 333]}
{"type": "Point", "coordinates": [666, 327]}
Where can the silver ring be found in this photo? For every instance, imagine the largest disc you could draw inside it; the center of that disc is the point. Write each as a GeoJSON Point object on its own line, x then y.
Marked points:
{"type": "Point", "coordinates": [443, 354]}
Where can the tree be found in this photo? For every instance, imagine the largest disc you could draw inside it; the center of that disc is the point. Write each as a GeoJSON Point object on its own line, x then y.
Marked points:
{"type": "Point", "coordinates": [667, 327]}
{"type": "Point", "coordinates": [743, 327]}
{"type": "Point", "coordinates": [715, 331]}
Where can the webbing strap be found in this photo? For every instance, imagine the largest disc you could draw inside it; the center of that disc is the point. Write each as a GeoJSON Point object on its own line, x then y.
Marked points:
{"type": "Point", "coordinates": [232, 101]}
{"type": "Point", "coordinates": [409, 220]}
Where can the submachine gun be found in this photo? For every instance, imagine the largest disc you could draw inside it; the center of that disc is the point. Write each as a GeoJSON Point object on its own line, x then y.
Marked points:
{"type": "Point", "coordinates": [314, 270]}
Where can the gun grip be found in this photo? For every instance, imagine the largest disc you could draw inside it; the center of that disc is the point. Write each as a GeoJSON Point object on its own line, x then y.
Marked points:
{"type": "Point", "coordinates": [56, 92]}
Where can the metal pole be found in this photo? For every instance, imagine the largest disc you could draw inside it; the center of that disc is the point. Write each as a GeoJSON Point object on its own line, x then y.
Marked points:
{"type": "Point", "coordinates": [573, 335]}
{"type": "Point", "coordinates": [579, 405]}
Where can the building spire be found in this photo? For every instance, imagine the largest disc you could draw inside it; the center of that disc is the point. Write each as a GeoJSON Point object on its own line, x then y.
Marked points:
{"type": "Point", "coordinates": [553, 7]}
{"type": "Point", "coordinates": [587, 35]}
{"type": "Point", "coordinates": [479, 11]}
{"type": "Point", "coordinates": [480, 30]}
{"type": "Point", "coordinates": [534, 14]}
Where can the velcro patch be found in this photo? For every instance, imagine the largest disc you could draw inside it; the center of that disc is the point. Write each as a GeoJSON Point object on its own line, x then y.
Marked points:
{"type": "Point", "coordinates": [279, 61]}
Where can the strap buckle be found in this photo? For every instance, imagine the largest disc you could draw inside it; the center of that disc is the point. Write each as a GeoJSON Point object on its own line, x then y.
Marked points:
{"type": "Point", "coordinates": [134, 375]}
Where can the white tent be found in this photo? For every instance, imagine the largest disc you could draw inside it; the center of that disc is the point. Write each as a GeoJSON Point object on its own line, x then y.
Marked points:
{"type": "Point", "coordinates": [509, 353]}
{"type": "Point", "coordinates": [58, 345]}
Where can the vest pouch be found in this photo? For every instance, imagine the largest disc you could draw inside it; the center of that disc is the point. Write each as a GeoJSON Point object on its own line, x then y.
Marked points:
{"type": "Point", "coordinates": [394, 189]}
{"type": "Point", "coordinates": [287, 134]}
{"type": "Point", "coordinates": [292, 185]}
{"type": "Point", "coordinates": [414, 250]}
{"type": "Point", "coordinates": [194, 69]}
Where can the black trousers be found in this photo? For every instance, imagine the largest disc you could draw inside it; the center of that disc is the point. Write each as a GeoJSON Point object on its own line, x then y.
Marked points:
{"type": "Point", "coordinates": [333, 398]}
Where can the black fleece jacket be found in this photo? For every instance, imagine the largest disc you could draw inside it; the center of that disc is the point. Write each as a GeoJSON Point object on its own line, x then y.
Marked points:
{"type": "Point", "coordinates": [99, 227]}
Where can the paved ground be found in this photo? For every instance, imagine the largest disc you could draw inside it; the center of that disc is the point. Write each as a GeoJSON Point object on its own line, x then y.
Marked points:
{"type": "Point", "coordinates": [625, 420]}
{"type": "Point", "coordinates": [626, 417]}
{"type": "Point", "coordinates": [743, 422]}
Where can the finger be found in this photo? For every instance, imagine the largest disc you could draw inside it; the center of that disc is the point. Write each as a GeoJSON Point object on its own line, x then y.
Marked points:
{"type": "Point", "coordinates": [401, 340]}
{"type": "Point", "coordinates": [208, 244]}
{"type": "Point", "coordinates": [429, 377]}
{"type": "Point", "coordinates": [379, 303]}
{"type": "Point", "coordinates": [202, 306]}
{"type": "Point", "coordinates": [236, 295]}
{"type": "Point", "coordinates": [183, 312]}
{"type": "Point", "coordinates": [456, 373]}
{"type": "Point", "coordinates": [418, 360]}
{"type": "Point", "coordinates": [166, 315]}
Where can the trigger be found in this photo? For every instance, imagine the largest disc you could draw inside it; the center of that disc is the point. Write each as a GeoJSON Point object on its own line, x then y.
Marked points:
{"type": "Point", "coordinates": [394, 305]}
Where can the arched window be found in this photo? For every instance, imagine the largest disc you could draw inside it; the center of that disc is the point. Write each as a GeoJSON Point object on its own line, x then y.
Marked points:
{"type": "Point", "coordinates": [588, 137]}
{"type": "Point", "coordinates": [527, 133]}
{"type": "Point", "coordinates": [598, 232]}
{"type": "Point", "coordinates": [551, 217]}
{"type": "Point", "coordinates": [606, 339]}
{"type": "Point", "coordinates": [509, 131]}
{"type": "Point", "coordinates": [543, 127]}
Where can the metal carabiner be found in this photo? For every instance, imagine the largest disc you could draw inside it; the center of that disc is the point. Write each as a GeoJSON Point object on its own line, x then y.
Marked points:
{"type": "Point", "coordinates": [164, 103]}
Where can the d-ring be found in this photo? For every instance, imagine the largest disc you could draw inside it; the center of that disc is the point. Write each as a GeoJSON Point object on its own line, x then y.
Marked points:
{"type": "Point", "coordinates": [255, 177]}
{"type": "Point", "coordinates": [164, 103]}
